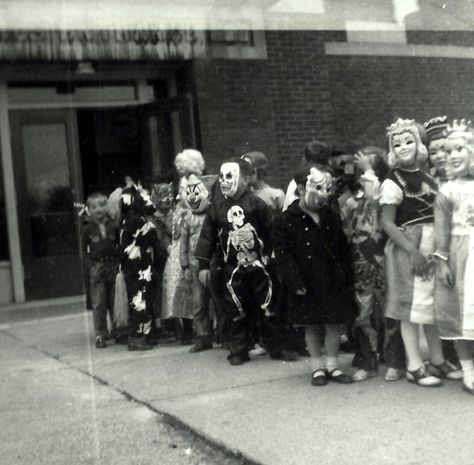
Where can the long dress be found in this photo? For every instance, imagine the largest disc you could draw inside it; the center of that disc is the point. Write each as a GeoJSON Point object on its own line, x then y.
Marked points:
{"type": "Point", "coordinates": [173, 279]}
{"type": "Point", "coordinates": [410, 297]}
{"type": "Point", "coordinates": [454, 233]}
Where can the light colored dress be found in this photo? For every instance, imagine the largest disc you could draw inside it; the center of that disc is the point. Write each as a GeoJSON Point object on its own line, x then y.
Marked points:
{"type": "Point", "coordinates": [454, 234]}
{"type": "Point", "coordinates": [410, 297]}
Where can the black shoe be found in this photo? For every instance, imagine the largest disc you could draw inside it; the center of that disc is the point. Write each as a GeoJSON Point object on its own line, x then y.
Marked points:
{"type": "Point", "coordinates": [338, 376]}
{"type": "Point", "coordinates": [238, 359]}
{"type": "Point", "coordinates": [139, 344]}
{"type": "Point", "coordinates": [319, 377]}
{"type": "Point", "coordinates": [100, 342]}
{"type": "Point", "coordinates": [200, 346]}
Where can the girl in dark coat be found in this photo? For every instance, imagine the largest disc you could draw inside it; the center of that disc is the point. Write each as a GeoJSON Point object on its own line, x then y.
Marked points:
{"type": "Point", "coordinates": [313, 256]}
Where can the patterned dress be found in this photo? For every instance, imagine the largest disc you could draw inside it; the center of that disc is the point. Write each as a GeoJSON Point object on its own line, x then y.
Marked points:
{"type": "Point", "coordinates": [454, 234]}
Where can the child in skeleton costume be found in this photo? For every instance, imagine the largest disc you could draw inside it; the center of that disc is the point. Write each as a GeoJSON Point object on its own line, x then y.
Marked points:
{"type": "Point", "coordinates": [241, 223]}
{"type": "Point", "coordinates": [407, 198]}
{"type": "Point", "coordinates": [138, 241]}
{"type": "Point", "coordinates": [454, 239]}
{"type": "Point", "coordinates": [313, 257]}
{"type": "Point", "coordinates": [187, 162]}
{"type": "Point", "coordinates": [360, 215]}
{"type": "Point", "coordinates": [197, 194]}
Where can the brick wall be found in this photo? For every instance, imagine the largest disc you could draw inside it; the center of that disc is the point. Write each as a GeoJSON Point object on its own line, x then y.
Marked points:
{"type": "Point", "coordinates": [235, 108]}
{"type": "Point", "coordinates": [369, 92]}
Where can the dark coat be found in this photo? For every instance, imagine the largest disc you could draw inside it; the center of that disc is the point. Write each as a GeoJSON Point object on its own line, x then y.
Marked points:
{"type": "Point", "coordinates": [317, 258]}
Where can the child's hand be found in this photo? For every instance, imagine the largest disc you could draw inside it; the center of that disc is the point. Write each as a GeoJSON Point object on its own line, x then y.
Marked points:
{"type": "Point", "coordinates": [300, 292]}
{"type": "Point", "coordinates": [445, 275]}
{"type": "Point", "coordinates": [362, 162]}
{"type": "Point", "coordinates": [187, 275]}
{"type": "Point", "coordinates": [419, 264]}
{"type": "Point", "coordinates": [204, 276]}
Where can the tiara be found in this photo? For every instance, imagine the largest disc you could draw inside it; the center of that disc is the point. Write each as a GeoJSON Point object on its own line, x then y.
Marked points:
{"type": "Point", "coordinates": [401, 125]}
{"type": "Point", "coordinates": [439, 123]}
{"type": "Point", "coordinates": [459, 126]}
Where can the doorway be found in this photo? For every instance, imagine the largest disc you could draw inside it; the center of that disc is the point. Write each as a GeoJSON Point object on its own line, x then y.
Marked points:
{"type": "Point", "coordinates": [61, 155]}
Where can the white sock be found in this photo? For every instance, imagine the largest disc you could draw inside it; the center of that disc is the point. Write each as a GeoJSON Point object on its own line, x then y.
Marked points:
{"type": "Point", "coordinates": [317, 363]}
{"type": "Point", "coordinates": [468, 372]}
{"type": "Point", "coordinates": [332, 363]}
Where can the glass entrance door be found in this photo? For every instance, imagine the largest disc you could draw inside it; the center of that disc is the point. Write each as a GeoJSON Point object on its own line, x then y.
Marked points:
{"type": "Point", "coordinates": [47, 179]}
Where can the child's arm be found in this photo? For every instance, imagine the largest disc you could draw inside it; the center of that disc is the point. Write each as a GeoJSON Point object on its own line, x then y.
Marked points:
{"type": "Point", "coordinates": [442, 228]}
{"type": "Point", "coordinates": [371, 185]}
{"type": "Point", "coordinates": [418, 262]}
{"type": "Point", "coordinates": [206, 245]}
{"type": "Point", "coordinates": [184, 250]}
{"type": "Point", "coordinates": [284, 244]}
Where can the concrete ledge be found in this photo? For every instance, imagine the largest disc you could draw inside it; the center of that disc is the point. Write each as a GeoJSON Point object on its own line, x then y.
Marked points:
{"type": "Point", "coordinates": [42, 308]}
{"type": "Point", "coordinates": [405, 50]}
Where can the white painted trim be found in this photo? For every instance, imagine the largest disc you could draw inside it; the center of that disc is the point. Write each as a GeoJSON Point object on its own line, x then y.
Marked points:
{"type": "Point", "coordinates": [404, 50]}
{"type": "Point", "coordinates": [10, 198]}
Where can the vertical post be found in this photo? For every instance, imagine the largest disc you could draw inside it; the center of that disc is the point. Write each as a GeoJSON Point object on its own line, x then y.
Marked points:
{"type": "Point", "coordinates": [10, 198]}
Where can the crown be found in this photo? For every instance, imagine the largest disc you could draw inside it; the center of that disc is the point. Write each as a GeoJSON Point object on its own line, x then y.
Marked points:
{"type": "Point", "coordinates": [401, 125]}
{"type": "Point", "coordinates": [459, 126]}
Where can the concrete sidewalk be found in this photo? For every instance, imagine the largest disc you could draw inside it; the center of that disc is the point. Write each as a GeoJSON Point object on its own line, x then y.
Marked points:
{"type": "Point", "coordinates": [266, 409]}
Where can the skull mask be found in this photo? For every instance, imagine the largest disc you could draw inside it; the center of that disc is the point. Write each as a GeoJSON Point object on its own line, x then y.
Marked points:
{"type": "Point", "coordinates": [229, 178]}
{"type": "Point", "coordinates": [319, 187]}
{"type": "Point", "coordinates": [236, 216]}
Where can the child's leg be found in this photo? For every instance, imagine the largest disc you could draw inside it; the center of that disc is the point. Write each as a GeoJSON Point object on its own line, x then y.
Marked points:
{"type": "Point", "coordinates": [465, 352]}
{"type": "Point", "coordinates": [314, 344]}
{"type": "Point", "coordinates": [201, 320]}
{"type": "Point", "coordinates": [394, 350]}
{"type": "Point", "coordinates": [410, 338]}
{"type": "Point", "coordinates": [434, 344]}
{"type": "Point", "coordinates": [98, 293]}
{"type": "Point", "coordinates": [331, 343]}
{"type": "Point", "coordinates": [365, 333]}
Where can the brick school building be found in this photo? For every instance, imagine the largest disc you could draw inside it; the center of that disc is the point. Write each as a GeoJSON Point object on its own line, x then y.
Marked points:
{"type": "Point", "coordinates": [88, 96]}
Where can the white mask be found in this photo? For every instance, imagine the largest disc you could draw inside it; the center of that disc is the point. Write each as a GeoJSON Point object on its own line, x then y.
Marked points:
{"type": "Point", "coordinates": [318, 190]}
{"type": "Point", "coordinates": [229, 178]}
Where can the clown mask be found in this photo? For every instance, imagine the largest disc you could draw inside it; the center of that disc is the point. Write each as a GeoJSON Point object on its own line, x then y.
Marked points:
{"type": "Point", "coordinates": [318, 190]}
{"type": "Point", "coordinates": [162, 196]}
{"type": "Point", "coordinates": [229, 179]}
{"type": "Point", "coordinates": [196, 194]}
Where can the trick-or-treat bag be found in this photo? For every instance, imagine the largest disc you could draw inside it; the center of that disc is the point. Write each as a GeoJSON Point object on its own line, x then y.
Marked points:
{"type": "Point", "coordinates": [120, 302]}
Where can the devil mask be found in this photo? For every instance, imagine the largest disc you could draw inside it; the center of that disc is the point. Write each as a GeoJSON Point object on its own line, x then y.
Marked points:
{"type": "Point", "coordinates": [229, 179]}
{"type": "Point", "coordinates": [162, 196]}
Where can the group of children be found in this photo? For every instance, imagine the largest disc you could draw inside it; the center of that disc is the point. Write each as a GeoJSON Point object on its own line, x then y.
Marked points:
{"type": "Point", "coordinates": [377, 246]}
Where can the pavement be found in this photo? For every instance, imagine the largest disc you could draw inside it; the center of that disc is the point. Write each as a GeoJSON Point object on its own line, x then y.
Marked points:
{"type": "Point", "coordinates": [265, 411]}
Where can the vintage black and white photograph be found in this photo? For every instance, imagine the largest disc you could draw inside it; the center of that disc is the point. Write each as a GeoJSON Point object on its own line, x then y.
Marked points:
{"type": "Point", "coordinates": [236, 232]}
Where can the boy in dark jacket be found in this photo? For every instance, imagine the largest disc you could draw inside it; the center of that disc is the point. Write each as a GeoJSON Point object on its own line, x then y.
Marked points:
{"type": "Point", "coordinates": [100, 239]}
{"type": "Point", "coordinates": [313, 257]}
{"type": "Point", "coordinates": [240, 222]}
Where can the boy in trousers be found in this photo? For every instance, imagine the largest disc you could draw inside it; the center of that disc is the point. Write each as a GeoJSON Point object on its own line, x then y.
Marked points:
{"type": "Point", "coordinates": [241, 223]}
{"type": "Point", "coordinates": [100, 238]}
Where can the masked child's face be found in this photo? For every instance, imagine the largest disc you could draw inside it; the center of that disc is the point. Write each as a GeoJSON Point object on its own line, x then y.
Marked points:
{"type": "Point", "coordinates": [230, 179]}
{"type": "Point", "coordinates": [404, 148]}
{"type": "Point", "coordinates": [437, 154]}
{"type": "Point", "coordinates": [343, 164]}
{"type": "Point", "coordinates": [98, 208]}
{"type": "Point", "coordinates": [162, 196]}
{"type": "Point", "coordinates": [458, 157]}
{"type": "Point", "coordinates": [196, 194]}
{"type": "Point", "coordinates": [318, 190]}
